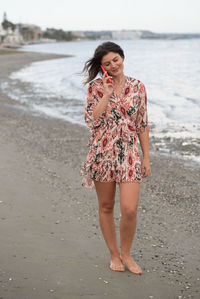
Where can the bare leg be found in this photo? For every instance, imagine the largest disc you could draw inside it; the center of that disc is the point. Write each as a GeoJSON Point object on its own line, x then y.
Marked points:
{"type": "Point", "coordinates": [106, 199]}
{"type": "Point", "coordinates": [129, 196]}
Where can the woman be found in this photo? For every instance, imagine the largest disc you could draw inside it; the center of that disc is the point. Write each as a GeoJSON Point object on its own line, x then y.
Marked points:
{"type": "Point", "coordinates": [116, 113]}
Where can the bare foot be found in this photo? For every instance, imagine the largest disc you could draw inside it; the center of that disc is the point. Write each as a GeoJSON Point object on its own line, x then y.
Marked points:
{"type": "Point", "coordinates": [131, 264]}
{"type": "Point", "coordinates": [116, 264]}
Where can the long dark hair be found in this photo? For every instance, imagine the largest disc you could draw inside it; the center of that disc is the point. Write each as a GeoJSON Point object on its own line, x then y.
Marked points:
{"type": "Point", "coordinates": [92, 66]}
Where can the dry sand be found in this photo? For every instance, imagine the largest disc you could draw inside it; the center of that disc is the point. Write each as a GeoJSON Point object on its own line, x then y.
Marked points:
{"type": "Point", "coordinates": [51, 244]}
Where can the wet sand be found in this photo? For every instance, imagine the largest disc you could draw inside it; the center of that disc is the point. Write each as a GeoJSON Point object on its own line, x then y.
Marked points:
{"type": "Point", "coordinates": [51, 243]}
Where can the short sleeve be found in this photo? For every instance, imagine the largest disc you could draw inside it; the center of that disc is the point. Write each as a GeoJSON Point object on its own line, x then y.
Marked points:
{"type": "Point", "coordinates": [93, 98]}
{"type": "Point", "coordinates": [142, 117]}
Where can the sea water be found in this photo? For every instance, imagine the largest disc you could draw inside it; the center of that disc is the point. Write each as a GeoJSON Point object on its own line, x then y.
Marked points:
{"type": "Point", "coordinates": [170, 70]}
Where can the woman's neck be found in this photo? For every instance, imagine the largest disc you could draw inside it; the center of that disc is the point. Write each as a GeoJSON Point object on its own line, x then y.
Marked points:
{"type": "Point", "coordinates": [119, 78]}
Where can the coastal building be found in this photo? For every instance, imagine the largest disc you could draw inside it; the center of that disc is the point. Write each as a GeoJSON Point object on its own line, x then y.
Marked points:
{"type": "Point", "coordinates": [13, 38]}
{"type": "Point", "coordinates": [126, 34]}
{"type": "Point", "coordinates": [10, 35]}
{"type": "Point", "coordinates": [78, 34]}
{"type": "Point", "coordinates": [30, 32]}
{"type": "Point", "coordinates": [105, 34]}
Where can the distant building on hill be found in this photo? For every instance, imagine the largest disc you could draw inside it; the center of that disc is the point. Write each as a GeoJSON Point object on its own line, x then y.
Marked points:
{"type": "Point", "coordinates": [30, 32]}
{"type": "Point", "coordinates": [13, 38]}
{"type": "Point", "coordinates": [105, 34]}
{"type": "Point", "coordinates": [9, 33]}
{"type": "Point", "coordinates": [126, 34]}
{"type": "Point", "coordinates": [79, 34]}
{"type": "Point", "coordinates": [16, 34]}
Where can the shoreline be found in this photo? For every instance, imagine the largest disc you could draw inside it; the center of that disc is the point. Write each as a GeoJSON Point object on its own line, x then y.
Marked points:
{"type": "Point", "coordinates": [186, 150]}
{"type": "Point", "coordinates": [50, 236]}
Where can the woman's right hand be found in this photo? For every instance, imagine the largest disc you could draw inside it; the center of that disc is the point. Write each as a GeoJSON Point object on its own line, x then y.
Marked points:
{"type": "Point", "coordinates": [108, 87]}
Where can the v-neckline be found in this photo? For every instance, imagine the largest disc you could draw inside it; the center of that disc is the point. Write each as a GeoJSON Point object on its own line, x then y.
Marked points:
{"type": "Point", "coordinates": [122, 91]}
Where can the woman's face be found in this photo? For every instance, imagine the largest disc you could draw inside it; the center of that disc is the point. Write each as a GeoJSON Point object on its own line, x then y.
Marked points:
{"type": "Point", "coordinates": [113, 64]}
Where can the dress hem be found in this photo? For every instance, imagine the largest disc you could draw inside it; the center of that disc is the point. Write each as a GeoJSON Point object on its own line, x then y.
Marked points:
{"type": "Point", "coordinates": [91, 185]}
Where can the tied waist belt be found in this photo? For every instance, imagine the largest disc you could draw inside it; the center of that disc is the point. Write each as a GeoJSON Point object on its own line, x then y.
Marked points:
{"type": "Point", "coordinates": [123, 130]}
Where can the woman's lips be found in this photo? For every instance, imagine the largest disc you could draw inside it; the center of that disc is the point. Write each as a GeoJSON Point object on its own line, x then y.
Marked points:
{"type": "Point", "coordinates": [116, 70]}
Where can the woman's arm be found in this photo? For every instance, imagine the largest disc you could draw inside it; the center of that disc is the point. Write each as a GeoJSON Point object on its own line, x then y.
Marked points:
{"type": "Point", "coordinates": [100, 107]}
{"type": "Point", "coordinates": [144, 143]}
{"type": "Point", "coordinates": [142, 128]}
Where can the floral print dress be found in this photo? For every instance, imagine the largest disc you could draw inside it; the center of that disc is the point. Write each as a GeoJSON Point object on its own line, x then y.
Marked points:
{"type": "Point", "coordinates": [113, 150]}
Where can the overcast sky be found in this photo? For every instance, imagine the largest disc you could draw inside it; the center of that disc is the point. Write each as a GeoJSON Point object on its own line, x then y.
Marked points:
{"type": "Point", "coordinates": [154, 15]}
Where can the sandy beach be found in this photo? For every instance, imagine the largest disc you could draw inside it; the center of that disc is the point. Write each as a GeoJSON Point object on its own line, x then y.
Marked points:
{"type": "Point", "coordinates": [51, 243]}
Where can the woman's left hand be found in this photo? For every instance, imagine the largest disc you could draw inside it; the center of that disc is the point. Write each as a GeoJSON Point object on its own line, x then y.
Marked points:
{"type": "Point", "coordinates": [145, 167]}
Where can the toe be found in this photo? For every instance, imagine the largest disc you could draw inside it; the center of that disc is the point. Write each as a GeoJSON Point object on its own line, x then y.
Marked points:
{"type": "Point", "coordinates": [136, 270]}
{"type": "Point", "coordinates": [116, 267]}
{"type": "Point", "coordinates": [132, 265]}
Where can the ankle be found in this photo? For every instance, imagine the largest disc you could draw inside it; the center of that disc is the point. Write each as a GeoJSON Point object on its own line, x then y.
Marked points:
{"type": "Point", "coordinates": [125, 254]}
{"type": "Point", "coordinates": [114, 255]}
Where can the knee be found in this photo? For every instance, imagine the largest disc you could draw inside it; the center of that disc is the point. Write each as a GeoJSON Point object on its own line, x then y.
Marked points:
{"type": "Point", "coordinates": [129, 213]}
{"type": "Point", "coordinates": [106, 207]}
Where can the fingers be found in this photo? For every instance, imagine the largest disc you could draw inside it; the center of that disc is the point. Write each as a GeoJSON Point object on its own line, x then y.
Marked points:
{"type": "Point", "coordinates": [145, 171]}
{"type": "Point", "coordinates": [107, 79]}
